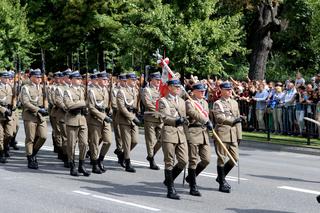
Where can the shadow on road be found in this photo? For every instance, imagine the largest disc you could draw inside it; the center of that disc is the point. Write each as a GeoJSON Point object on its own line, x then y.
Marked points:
{"type": "Point", "coordinates": [255, 211]}
{"type": "Point", "coordinates": [283, 178]}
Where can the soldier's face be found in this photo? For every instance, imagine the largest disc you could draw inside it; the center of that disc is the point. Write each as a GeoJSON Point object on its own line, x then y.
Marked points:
{"type": "Point", "coordinates": [174, 90]}
{"type": "Point", "coordinates": [36, 79]}
{"type": "Point", "coordinates": [226, 93]}
{"type": "Point", "coordinates": [76, 81]}
{"type": "Point", "coordinates": [155, 82]}
{"type": "Point", "coordinates": [5, 80]}
{"type": "Point", "coordinates": [198, 93]}
{"type": "Point", "coordinates": [131, 82]}
{"type": "Point", "coordinates": [103, 82]}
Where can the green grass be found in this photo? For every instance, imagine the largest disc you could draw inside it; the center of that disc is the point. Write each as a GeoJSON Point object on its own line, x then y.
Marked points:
{"type": "Point", "coordinates": [281, 139]}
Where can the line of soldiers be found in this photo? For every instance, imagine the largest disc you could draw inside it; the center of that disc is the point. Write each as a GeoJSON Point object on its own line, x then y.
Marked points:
{"type": "Point", "coordinates": [181, 128]}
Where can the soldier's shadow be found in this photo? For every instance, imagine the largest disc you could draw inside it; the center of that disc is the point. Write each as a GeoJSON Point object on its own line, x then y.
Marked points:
{"type": "Point", "coordinates": [255, 210]}
{"type": "Point", "coordinates": [121, 190]}
{"type": "Point", "coordinates": [283, 178]}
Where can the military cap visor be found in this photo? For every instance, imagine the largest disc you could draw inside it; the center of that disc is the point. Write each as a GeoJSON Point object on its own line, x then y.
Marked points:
{"type": "Point", "coordinates": [156, 76]}
{"type": "Point", "coordinates": [103, 75]}
{"type": "Point", "coordinates": [174, 82]}
{"type": "Point", "coordinates": [5, 75]}
{"type": "Point", "coordinates": [131, 76]}
{"type": "Point", "coordinates": [122, 77]}
{"type": "Point", "coordinates": [199, 87]}
{"type": "Point", "coordinates": [75, 75]}
{"type": "Point", "coordinates": [226, 86]}
{"type": "Point", "coordinates": [36, 73]}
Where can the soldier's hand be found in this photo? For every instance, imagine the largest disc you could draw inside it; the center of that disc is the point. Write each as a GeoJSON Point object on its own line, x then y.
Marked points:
{"type": "Point", "coordinates": [7, 113]}
{"type": "Point", "coordinates": [108, 119]}
{"type": "Point", "coordinates": [43, 112]}
{"type": "Point", "coordinates": [180, 121]}
{"type": "Point", "coordinates": [239, 141]}
{"type": "Point", "coordinates": [209, 125]}
{"type": "Point", "coordinates": [237, 120]}
{"type": "Point", "coordinates": [136, 121]}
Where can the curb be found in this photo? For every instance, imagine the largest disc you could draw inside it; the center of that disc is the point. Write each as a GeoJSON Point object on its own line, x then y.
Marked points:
{"type": "Point", "coordinates": [280, 147]}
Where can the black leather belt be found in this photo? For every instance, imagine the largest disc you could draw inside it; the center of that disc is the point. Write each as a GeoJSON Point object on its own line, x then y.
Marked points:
{"type": "Point", "coordinates": [195, 125]}
{"type": "Point", "coordinates": [76, 111]}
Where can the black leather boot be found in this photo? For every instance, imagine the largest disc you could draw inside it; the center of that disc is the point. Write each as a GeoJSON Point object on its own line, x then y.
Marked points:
{"type": "Point", "coordinates": [129, 167]}
{"type": "Point", "coordinates": [100, 164]}
{"type": "Point", "coordinates": [13, 143]}
{"type": "Point", "coordinates": [171, 191]}
{"type": "Point", "coordinates": [199, 169]}
{"type": "Point", "coordinates": [95, 168]}
{"type": "Point", "coordinates": [31, 163]}
{"type": "Point", "coordinates": [60, 153]}
{"type": "Point", "coordinates": [3, 159]}
{"type": "Point", "coordinates": [192, 183]}
{"type": "Point", "coordinates": [73, 170]}
{"type": "Point", "coordinates": [120, 156]}
{"type": "Point", "coordinates": [227, 168]}
{"type": "Point", "coordinates": [82, 169]}
{"type": "Point", "coordinates": [222, 182]}
{"type": "Point", "coordinates": [7, 149]}
{"type": "Point", "coordinates": [34, 157]}
{"type": "Point", "coordinates": [65, 161]}
{"type": "Point", "coordinates": [175, 173]}
{"type": "Point", "coordinates": [153, 164]}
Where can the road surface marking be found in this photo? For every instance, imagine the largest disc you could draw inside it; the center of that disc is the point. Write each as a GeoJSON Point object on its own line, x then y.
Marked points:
{"type": "Point", "coordinates": [299, 190]}
{"type": "Point", "coordinates": [117, 201]}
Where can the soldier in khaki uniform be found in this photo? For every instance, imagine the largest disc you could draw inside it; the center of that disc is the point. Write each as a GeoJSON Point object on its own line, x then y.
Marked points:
{"type": "Point", "coordinates": [99, 122]}
{"type": "Point", "coordinates": [228, 128]}
{"type": "Point", "coordinates": [6, 131]}
{"type": "Point", "coordinates": [114, 91]}
{"type": "Point", "coordinates": [61, 112]}
{"type": "Point", "coordinates": [152, 121]}
{"type": "Point", "coordinates": [14, 123]}
{"type": "Point", "coordinates": [173, 135]}
{"type": "Point", "coordinates": [53, 113]}
{"type": "Point", "coordinates": [33, 113]}
{"type": "Point", "coordinates": [76, 124]}
{"type": "Point", "coordinates": [127, 98]}
{"type": "Point", "coordinates": [198, 137]}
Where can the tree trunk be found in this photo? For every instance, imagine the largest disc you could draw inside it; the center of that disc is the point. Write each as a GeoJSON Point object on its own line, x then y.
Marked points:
{"type": "Point", "coordinates": [262, 42]}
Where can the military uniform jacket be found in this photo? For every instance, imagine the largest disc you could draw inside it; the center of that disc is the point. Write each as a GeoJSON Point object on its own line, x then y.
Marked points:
{"type": "Point", "coordinates": [114, 92]}
{"type": "Point", "coordinates": [198, 113]}
{"type": "Point", "coordinates": [150, 96]}
{"type": "Point", "coordinates": [5, 99]}
{"type": "Point", "coordinates": [127, 97]}
{"type": "Point", "coordinates": [225, 111]}
{"type": "Point", "coordinates": [51, 98]}
{"type": "Point", "coordinates": [172, 108]}
{"type": "Point", "coordinates": [74, 100]}
{"type": "Point", "coordinates": [59, 102]}
{"type": "Point", "coordinates": [97, 104]}
{"type": "Point", "coordinates": [32, 100]}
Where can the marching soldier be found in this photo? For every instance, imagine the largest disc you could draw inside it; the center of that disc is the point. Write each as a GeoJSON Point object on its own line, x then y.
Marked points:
{"type": "Point", "coordinates": [6, 130]}
{"type": "Point", "coordinates": [152, 121]}
{"type": "Point", "coordinates": [76, 124]}
{"type": "Point", "coordinates": [228, 128]}
{"type": "Point", "coordinates": [33, 117]}
{"type": "Point", "coordinates": [61, 112]}
{"type": "Point", "coordinates": [127, 98]}
{"type": "Point", "coordinates": [114, 91]}
{"type": "Point", "coordinates": [173, 136]}
{"type": "Point", "coordinates": [15, 114]}
{"type": "Point", "coordinates": [198, 143]}
{"type": "Point", "coordinates": [99, 122]}
{"type": "Point", "coordinates": [53, 112]}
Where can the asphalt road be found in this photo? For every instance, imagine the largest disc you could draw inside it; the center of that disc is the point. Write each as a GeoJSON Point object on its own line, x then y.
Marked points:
{"type": "Point", "coordinates": [270, 182]}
